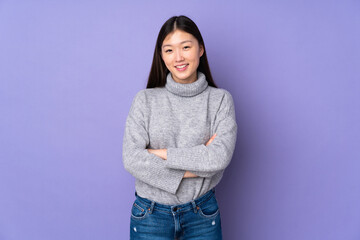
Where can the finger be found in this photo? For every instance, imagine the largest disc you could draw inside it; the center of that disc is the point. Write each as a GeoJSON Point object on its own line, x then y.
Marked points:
{"type": "Point", "coordinates": [209, 141]}
{"type": "Point", "coordinates": [212, 138]}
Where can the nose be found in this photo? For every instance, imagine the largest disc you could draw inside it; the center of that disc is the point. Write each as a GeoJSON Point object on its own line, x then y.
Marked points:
{"type": "Point", "coordinates": [178, 56]}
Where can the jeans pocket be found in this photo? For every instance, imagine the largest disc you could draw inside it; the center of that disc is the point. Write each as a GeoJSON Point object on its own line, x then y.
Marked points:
{"type": "Point", "coordinates": [138, 212]}
{"type": "Point", "coordinates": [209, 209]}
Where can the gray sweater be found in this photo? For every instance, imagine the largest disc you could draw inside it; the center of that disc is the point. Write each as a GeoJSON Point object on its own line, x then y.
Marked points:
{"type": "Point", "coordinates": [180, 118]}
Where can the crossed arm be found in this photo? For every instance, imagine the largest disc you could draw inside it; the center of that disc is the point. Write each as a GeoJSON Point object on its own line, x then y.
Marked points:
{"type": "Point", "coordinates": [162, 153]}
{"type": "Point", "coordinates": [165, 168]}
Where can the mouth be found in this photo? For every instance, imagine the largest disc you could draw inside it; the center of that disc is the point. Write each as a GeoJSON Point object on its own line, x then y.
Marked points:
{"type": "Point", "coordinates": [182, 67]}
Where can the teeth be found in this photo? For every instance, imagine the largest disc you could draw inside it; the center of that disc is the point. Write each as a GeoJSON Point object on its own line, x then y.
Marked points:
{"type": "Point", "coordinates": [182, 66]}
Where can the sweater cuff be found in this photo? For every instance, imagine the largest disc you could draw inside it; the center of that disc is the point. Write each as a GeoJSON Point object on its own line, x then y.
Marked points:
{"type": "Point", "coordinates": [190, 159]}
{"type": "Point", "coordinates": [172, 181]}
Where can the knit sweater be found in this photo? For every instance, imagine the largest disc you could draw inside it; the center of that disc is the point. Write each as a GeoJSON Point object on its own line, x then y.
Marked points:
{"type": "Point", "coordinates": [180, 118]}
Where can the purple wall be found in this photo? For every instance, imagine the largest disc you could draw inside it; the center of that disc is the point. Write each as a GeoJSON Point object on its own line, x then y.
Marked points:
{"type": "Point", "coordinates": [69, 71]}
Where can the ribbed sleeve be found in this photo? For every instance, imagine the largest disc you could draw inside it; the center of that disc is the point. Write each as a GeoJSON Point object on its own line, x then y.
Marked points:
{"type": "Point", "coordinates": [207, 161]}
{"type": "Point", "coordinates": [137, 160]}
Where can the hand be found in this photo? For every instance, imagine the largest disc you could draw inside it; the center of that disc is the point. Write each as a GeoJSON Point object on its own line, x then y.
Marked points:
{"type": "Point", "coordinates": [162, 153]}
{"type": "Point", "coordinates": [189, 175]}
{"type": "Point", "coordinates": [210, 140]}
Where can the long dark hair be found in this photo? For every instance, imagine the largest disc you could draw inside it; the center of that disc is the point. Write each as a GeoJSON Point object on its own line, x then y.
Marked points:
{"type": "Point", "coordinates": [158, 72]}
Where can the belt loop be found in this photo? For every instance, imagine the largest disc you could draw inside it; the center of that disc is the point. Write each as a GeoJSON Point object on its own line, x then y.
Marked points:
{"type": "Point", "coordinates": [151, 207]}
{"type": "Point", "coordinates": [194, 206]}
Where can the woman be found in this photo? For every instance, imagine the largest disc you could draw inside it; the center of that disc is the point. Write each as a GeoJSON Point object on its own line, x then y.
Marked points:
{"type": "Point", "coordinates": [179, 137]}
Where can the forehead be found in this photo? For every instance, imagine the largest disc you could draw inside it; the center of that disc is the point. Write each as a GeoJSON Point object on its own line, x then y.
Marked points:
{"type": "Point", "coordinates": [177, 37]}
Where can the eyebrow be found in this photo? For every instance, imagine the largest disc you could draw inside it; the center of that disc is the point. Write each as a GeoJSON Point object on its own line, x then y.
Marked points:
{"type": "Point", "coordinates": [169, 45]}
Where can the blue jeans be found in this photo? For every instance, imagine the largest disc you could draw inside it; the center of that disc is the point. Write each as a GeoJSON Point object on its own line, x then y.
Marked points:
{"type": "Point", "coordinates": [195, 220]}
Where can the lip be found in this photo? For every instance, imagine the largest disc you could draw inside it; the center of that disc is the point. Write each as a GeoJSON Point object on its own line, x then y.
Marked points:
{"type": "Point", "coordinates": [182, 69]}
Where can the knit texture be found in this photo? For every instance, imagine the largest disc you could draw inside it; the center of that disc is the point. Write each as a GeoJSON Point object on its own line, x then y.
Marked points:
{"type": "Point", "coordinates": [180, 118]}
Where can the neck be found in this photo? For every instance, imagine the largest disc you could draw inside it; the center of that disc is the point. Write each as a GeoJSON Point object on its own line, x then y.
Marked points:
{"type": "Point", "coordinates": [186, 89]}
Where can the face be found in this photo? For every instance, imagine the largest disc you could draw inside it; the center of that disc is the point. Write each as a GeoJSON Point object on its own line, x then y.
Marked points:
{"type": "Point", "coordinates": [181, 53]}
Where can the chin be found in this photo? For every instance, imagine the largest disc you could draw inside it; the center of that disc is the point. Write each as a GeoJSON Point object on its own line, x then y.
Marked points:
{"type": "Point", "coordinates": [182, 76]}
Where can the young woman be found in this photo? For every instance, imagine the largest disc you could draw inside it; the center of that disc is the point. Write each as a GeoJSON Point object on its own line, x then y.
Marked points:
{"type": "Point", "coordinates": [179, 137]}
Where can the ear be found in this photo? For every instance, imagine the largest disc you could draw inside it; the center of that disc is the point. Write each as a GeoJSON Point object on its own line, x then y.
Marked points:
{"type": "Point", "coordinates": [201, 47]}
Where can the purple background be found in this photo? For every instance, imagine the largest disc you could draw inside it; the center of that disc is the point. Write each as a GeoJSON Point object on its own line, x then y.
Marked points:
{"type": "Point", "coordinates": [70, 69]}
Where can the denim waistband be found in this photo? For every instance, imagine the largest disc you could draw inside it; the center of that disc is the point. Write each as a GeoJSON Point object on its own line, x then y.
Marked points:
{"type": "Point", "coordinates": [192, 205]}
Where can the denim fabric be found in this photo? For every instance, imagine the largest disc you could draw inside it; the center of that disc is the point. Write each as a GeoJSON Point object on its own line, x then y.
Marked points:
{"type": "Point", "coordinates": [196, 220]}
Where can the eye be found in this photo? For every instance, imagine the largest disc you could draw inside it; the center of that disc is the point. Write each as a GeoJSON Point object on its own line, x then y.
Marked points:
{"type": "Point", "coordinates": [168, 50]}
{"type": "Point", "coordinates": [186, 47]}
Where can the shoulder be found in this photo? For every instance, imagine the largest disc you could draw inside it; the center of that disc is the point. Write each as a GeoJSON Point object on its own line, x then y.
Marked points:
{"type": "Point", "coordinates": [222, 95]}
{"type": "Point", "coordinates": [145, 95]}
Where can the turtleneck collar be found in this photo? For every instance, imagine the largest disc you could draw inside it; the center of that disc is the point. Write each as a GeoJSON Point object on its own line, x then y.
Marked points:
{"type": "Point", "coordinates": [186, 89]}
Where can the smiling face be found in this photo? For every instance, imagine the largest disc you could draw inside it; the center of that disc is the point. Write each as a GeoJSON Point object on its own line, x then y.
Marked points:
{"type": "Point", "coordinates": [181, 53]}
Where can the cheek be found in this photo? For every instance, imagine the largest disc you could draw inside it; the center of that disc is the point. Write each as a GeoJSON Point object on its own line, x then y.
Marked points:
{"type": "Point", "coordinates": [167, 60]}
{"type": "Point", "coordinates": [194, 56]}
